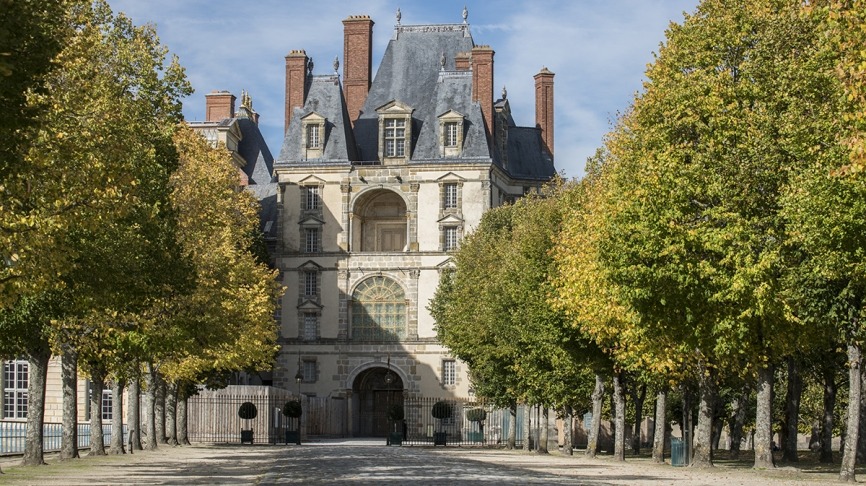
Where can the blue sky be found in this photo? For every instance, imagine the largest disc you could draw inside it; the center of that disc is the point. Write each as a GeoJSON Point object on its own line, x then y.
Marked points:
{"type": "Point", "coordinates": [599, 50]}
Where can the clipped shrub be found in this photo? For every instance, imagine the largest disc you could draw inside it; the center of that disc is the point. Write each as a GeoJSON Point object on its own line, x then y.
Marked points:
{"type": "Point", "coordinates": [476, 415]}
{"type": "Point", "coordinates": [395, 412]}
{"type": "Point", "coordinates": [442, 410]}
{"type": "Point", "coordinates": [292, 409]}
{"type": "Point", "coordinates": [248, 411]}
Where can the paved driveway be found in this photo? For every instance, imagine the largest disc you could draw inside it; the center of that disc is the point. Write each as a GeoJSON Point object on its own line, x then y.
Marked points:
{"type": "Point", "coordinates": [365, 462]}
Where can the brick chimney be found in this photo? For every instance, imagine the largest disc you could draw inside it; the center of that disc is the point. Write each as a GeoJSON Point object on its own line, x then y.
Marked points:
{"type": "Point", "coordinates": [461, 61]}
{"type": "Point", "coordinates": [219, 105]}
{"type": "Point", "coordinates": [357, 62]}
{"type": "Point", "coordinates": [544, 107]}
{"type": "Point", "coordinates": [482, 83]}
{"type": "Point", "coordinates": [296, 82]}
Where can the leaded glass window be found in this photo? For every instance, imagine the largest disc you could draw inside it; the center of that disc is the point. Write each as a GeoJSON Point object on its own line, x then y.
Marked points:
{"type": "Point", "coordinates": [378, 310]}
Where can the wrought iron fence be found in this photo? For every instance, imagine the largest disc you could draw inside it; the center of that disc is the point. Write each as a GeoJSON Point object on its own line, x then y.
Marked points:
{"type": "Point", "coordinates": [212, 416]}
{"type": "Point", "coordinates": [13, 436]}
{"type": "Point", "coordinates": [420, 427]}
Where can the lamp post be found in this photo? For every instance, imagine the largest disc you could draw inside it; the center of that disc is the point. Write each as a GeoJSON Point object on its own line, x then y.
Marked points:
{"type": "Point", "coordinates": [299, 376]}
{"type": "Point", "coordinates": [389, 378]}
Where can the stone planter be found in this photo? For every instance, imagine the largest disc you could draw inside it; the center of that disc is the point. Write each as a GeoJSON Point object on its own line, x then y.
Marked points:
{"type": "Point", "coordinates": [293, 437]}
{"type": "Point", "coordinates": [395, 439]}
{"type": "Point", "coordinates": [440, 438]}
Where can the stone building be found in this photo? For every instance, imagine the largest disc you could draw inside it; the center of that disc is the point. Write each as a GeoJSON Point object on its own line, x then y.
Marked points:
{"type": "Point", "coordinates": [378, 180]}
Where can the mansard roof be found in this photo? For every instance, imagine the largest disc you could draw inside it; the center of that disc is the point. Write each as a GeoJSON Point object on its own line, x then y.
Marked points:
{"type": "Point", "coordinates": [418, 71]}
{"type": "Point", "coordinates": [411, 71]}
{"type": "Point", "coordinates": [325, 97]}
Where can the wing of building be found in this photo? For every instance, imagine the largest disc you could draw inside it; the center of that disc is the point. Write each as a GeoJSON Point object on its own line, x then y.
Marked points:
{"type": "Point", "coordinates": [378, 180]}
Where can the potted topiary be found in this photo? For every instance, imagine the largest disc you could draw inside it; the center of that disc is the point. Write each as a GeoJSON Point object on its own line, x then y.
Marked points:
{"type": "Point", "coordinates": [441, 410]}
{"type": "Point", "coordinates": [292, 409]}
{"type": "Point", "coordinates": [395, 416]}
{"type": "Point", "coordinates": [247, 412]}
{"type": "Point", "coordinates": [477, 415]}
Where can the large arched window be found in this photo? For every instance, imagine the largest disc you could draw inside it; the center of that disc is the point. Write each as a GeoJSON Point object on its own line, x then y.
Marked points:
{"type": "Point", "coordinates": [378, 310]}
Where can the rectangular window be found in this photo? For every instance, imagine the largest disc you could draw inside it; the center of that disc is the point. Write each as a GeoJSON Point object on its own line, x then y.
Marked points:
{"type": "Point", "coordinates": [15, 381]}
{"type": "Point", "coordinates": [311, 197]}
{"type": "Point", "coordinates": [107, 405]}
{"type": "Point", "coordinates": [395, 137]}
{"type": "Point", "coordinates": [311, 322]}
{"type": "Point", "coordinates": [310, 284]}
{"type": "Point", "coordinates": [313, 139]}
{"type": "Point", "coordinates": [309, 371]}
{"type": "Point", "coordinates": [451, 131]}
{"type": "Point", "coordinates": [449, 196]}
{"type": "Point", "coordinates": [312, 240]}
{"type": "Point", "coordinates": [449, 372]}
{"type": "Point", "coordinates": [450, 242]}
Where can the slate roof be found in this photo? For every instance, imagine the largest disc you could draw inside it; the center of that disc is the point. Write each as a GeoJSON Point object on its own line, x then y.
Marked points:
{"type": "Point", "coordinates": [324, 97]}
{"type": "Point", "coordinates": [411, 72]}
{"type": "Point", "coordinates": [259, 170]}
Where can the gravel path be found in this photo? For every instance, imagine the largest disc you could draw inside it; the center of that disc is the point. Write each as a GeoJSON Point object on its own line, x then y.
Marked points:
{"type": "Point", "coordinates": [349, 462]}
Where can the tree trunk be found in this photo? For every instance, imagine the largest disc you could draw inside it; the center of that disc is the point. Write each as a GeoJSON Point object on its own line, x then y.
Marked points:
{"type": "Point", "coordinates": [638, 397]}
{"type": "Point", "coordinates": [37, 365]}
{"type": "Point", "coordinates": [595, 426]}
{"type": "Point", "coordinates": [150, 407]}
{"type": "Point", "coordinates": [718, 425]}
{"type": "Point", "coordinates": [69, 379]}
{"type": "Point", "coordinates": [543, 435]}
{"type": "Point", "coordinates": [171, 413]}
{"type": "Point", "coordinates": [660, 428]}
{"type": "Point", "coordinates": [738, 418]}
{"type": "Point", "coordinates": [703, 449]}
{"type": "Point", "coordinates": [133, 414]}
{"type": "Point", "coordinates": [182, 432]}
{"type": "Point", "coordinates": [568, 431]}
{"type": "Point", "coordinates": [619, 419]}
{"type": "Point", "coordinates": [792, 415]}
{"type": "Point", "coordinates": [159, 411]}
{"type": "Point", "coordinates": [512, 427]}
{"type": "Point", "coordinates": [830, 391]}
{"type": "Point", "coordinates": [527, 427]}
{"type": "Point", "coordinates": [97, 440]}
{"type": "Point", "coordinates": [764, 420]}
{"type": "Point", "coordinates": [117, 445]}
{"type": "Point", "coordinates": [687, 425]}
{"type": "Point", "coordinates": [861, 436]}
{"type": "Point", "coordinates": [852, 427]}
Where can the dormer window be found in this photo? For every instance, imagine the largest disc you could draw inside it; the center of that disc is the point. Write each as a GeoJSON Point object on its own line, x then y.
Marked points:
{"type": "Point", "coordinates": [451, 139]}
{"type": "Point", "coordinates": [395, 137]}
{"type": "Point", "coordinates": [313, 143]}
{"type": "Point", "coordinates": [313, 136]}
{"type": "Point", "coordinates": [450, 134]}
{"type": "Point", "coordinates": [395, 132]}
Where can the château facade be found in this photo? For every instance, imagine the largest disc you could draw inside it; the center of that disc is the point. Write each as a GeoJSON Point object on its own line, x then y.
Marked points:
{"type": "Point", "coordinates": [378, 179]}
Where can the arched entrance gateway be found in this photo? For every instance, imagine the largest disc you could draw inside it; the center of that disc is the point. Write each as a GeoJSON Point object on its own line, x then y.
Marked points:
{"type": "Point", "coordinates": [374, 391]}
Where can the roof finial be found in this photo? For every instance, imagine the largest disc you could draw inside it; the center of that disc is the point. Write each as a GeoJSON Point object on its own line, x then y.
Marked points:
{"type": "Point", "coordinates": [336, 64]}
{"type": "Point", "coordinates": [399, 15]}
{"type": "Point", "coordinates": [504, 92]}
{"type": "Point", "coordinates": [442, 61]}
{"type": "Point", "coordinates": [465, 14]}
{"type": "Point", "coordinates": [310, 67]}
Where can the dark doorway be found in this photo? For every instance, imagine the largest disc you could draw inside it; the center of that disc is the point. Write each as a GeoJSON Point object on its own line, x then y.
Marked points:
{"type": "Point", "coordinates": [376, 390]}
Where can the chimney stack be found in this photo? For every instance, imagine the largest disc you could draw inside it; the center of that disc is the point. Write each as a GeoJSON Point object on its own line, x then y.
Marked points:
{"type": "Point", "coordinates": [296, 83]}
{"type": "Point", "coordinates": [482, 83]}
{"type": "Point", "coordinates": [219, 105]}
{"type": "Point", "coordinates": [357, 62]}
{"type": "Point", "coordinates": [544, 107]}
{"type": "Point", "coordinates": [461, 61]}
